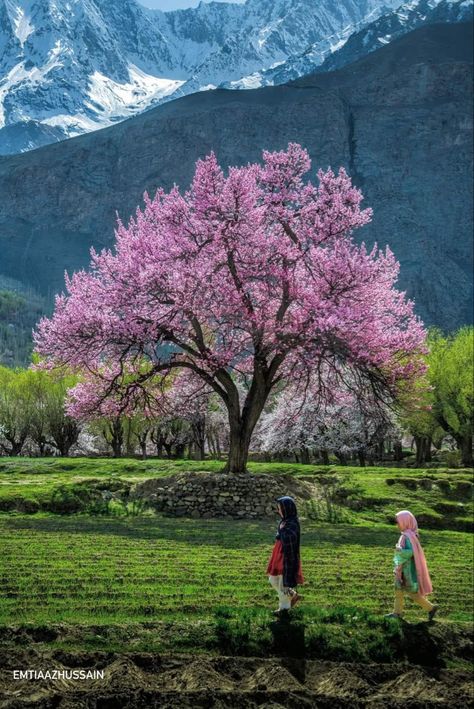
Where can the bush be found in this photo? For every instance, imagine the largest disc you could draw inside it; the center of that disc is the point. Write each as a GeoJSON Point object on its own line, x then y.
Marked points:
{"type": "Point", "coordinates": [82, 497]}
{"type": "Point", "coordinates": [324, 510]}
{"type": "Point", "coordinates": [65, 500]}
{"type": "Point", "coordinates": [19, 504]}
{"type": "Point", "coordinates": [426, 483]}
{"type": "Point", "coordinates": [444, 485]}
{"type": "Point", "coordinates": [335, 495]}
{"type": "Point", "coordinates": [410, 483]}
{"type": "Point", "coordinates": [464, 490]}
{"type": "Point", "coordinates": [451, 459]}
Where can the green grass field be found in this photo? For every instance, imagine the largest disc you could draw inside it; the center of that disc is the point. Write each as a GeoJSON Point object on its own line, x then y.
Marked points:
{"type": "Point", "coordinates": [122, 570]}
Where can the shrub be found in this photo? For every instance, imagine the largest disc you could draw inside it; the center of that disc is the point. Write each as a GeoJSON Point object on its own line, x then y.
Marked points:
{"type": "Point", "coordinates": [65, 500]}
{"type": "Point", "coordinates": [451, 459]}
{"type": "Point", "coordinates": [19, 504]}
{"type": "Point", "coordinates": [410, 483]}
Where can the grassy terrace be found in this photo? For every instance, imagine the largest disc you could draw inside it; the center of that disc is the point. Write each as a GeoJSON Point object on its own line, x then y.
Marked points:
{"type": "Point", "coordinates": [120, 570]}
{"type": "Point", "coordinates": [442, 497]}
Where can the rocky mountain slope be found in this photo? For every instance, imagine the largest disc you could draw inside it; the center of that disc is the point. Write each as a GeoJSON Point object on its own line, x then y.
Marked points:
{"type": "Point", "coordinates": [71, 67]}
{"type": "Point", "coordinates": [399, 119]}
{"type": "Point", "coordinates": [373, 35]}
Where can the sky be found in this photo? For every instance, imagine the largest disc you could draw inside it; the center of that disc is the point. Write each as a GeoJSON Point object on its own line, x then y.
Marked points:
{"type": "Point", "coordinates": [176, 4]}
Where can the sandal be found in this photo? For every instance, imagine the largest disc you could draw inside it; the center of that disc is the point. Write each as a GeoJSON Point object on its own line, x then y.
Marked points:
{"type": "Point", "coordinates": [295, 598]}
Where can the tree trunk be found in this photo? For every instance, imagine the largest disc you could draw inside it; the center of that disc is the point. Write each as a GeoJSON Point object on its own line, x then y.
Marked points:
{"type": "Point", "coordinates": [398, 450]}
{"type": "Point", "coordinates": [465, 446]}
{"type": "Point", "coordinates": [381, 450]}
{"type": "Point", "coordinates": [305, 455]}
{"type": "Point", "coordinates": [420, 450]}
{"type": "Point", "coordinates": [242, 424]}
{"type": "Point", "coordinates": [198, 427]}
{"type": "Point", "coordinates": [211, 446]}
{"type": "Point", "coordinates": [342, 458]}
{"type": "Point", "coordinates": [428, 449]}
{"type": "Point", "coordinates": [16, 449]}
{"type": "Point", "coordinates": [64, 435]}
{"type": "Point", "coordinates": [238, 453]}
{"type": "Point", "coordinates": [179, 450]}
{"type": "Point", "coordinates": [117, 438]}
{"type": "Point", "coordinates": [361, 458]}
{"type": "Point", "coordinates": [325, 456]}
{"type": "Point", "coordinates": [423, 449]}
{"type": "Point", "coordinates": [200, 450]}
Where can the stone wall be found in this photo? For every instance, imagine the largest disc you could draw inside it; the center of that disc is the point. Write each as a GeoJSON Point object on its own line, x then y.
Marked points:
{"type": "Point", "coordinates": [207, 495]}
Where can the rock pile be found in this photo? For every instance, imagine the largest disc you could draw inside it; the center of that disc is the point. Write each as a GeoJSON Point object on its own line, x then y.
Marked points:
{"type": "Point", "coordinates": [207, 495]}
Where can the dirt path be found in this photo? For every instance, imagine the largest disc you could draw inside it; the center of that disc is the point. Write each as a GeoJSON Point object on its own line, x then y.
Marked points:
{"type": "Point", "coordinates": [138, 680]}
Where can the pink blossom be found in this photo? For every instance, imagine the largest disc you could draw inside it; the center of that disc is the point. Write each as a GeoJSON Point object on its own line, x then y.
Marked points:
{"type": "Point", "coordinates": [252, 275]}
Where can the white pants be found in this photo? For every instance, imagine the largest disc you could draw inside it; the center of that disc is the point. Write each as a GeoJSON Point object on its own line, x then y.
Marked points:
{"type": "Point", "coordinates": [284, 600]}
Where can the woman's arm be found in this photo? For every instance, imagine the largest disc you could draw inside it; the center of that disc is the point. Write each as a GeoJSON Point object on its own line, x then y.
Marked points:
{"type": "Point", "coordinates": [403, 554]}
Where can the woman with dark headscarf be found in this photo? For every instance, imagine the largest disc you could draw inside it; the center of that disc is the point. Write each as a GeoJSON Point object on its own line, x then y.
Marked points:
{"type": "Point", "coordinates": [284, 568]}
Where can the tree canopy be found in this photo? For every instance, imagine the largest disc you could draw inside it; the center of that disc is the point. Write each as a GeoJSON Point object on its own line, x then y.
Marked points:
{"type": "Point", "coordinates": [246, 280]}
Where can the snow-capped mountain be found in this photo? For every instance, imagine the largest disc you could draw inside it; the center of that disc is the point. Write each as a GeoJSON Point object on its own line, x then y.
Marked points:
{"type": "Point", "coordinates": [355, 42]}
{"type": "Point", "coordinates": [72, 66]}
{"type": "Point", "coordinates": [394, 24]}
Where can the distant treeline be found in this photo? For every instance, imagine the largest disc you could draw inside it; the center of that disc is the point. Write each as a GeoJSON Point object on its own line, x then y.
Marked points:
{"type": "Point", "coordinates": [435, 426]}
{"type": "Point", "coordinates": [20, 310]}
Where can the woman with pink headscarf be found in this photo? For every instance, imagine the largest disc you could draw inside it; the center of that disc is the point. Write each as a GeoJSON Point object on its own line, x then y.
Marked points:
{"type": "Point", "coordinates": [411, 572]}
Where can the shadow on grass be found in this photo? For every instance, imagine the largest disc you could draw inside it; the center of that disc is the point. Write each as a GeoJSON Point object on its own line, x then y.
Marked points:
{"type": "Point", "coordinates": [229, 534]}
{"type": "Point", "coordinates": [225, 533]}
{"type": "Point", "coordinates": [340, 634]}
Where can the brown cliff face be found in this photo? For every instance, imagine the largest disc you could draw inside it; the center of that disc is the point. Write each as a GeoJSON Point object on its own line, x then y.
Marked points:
{"type": "Point", "coordinates": [400, 120]}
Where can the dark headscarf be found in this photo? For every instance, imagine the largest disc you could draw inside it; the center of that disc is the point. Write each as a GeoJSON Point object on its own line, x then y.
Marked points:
{"type": "Point", "coordinates": [288, 506]}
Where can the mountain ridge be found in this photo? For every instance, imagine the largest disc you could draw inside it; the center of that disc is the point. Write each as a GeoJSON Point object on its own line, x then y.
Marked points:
{"type": "Point", "coordinates": [69, 69]}
{"type": "Point", "coordinates": [399, 120]}
{"type": "Point", "coordinates": [372, 36]}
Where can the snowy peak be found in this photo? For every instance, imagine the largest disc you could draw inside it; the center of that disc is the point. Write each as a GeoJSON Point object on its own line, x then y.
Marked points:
{"type": "Point", "coordinates": [72, 66]}
{"type": "Point", "coordinates": [371, 33]}
{"type": "Point", "coordinates": [391, 25]}
{"type": "Point", "coordinates": [76, 66]}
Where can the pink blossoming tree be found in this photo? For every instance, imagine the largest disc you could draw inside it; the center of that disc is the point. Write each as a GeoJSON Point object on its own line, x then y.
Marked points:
{"type": "Point", "coordinates": [245, 281]}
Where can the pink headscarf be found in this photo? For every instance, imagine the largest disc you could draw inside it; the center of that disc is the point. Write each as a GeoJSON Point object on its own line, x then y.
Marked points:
{"type": "Point", "coordinates": [409, 528]}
